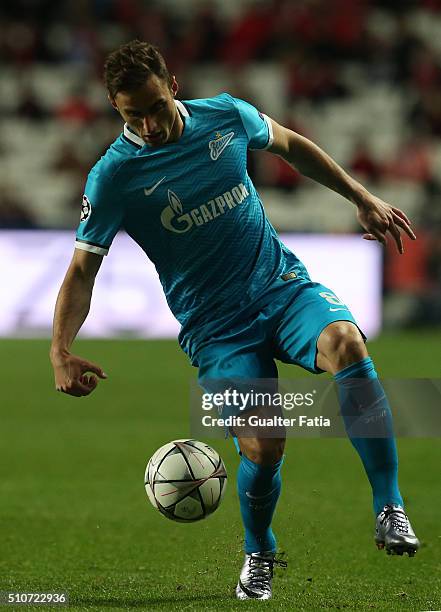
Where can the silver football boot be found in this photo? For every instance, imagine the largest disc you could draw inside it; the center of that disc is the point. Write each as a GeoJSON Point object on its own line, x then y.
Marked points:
{"type": "Point", "coordinates": [255, 580]}
{"type": "Point", "coordinates": [394, 532]}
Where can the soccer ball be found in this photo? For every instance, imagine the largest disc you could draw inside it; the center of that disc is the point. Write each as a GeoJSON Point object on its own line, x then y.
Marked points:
{"type": "Point", "coordinates": [185, 480]}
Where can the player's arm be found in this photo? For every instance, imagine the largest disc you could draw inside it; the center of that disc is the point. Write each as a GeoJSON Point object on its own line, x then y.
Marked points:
{"type": "Point", "coordinates": [375, 216]}
{"type": "Point", "coordinates": [71, 310]}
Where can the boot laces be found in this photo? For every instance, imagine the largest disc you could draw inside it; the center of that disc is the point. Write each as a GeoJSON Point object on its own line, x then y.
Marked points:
{"type": "Point", "coordinates": [260, 569]}
{"type": "Point", "coordinates": [398, 519]}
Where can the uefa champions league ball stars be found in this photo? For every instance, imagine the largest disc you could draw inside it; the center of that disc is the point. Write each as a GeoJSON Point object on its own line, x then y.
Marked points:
{"type": "Point", "coordinates": [185, 480]}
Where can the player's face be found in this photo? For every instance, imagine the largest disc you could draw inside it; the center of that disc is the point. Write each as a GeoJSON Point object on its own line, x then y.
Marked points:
{"type": "Point", "coordinates": [151, 111]}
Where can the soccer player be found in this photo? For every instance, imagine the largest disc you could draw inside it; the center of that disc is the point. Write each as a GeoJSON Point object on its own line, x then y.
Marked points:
{"type": "Point", "coordinates": [176, 181]}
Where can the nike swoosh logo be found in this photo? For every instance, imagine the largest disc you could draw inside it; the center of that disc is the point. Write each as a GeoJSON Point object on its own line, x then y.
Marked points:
{"type": "Point", "coordinates": [149, 191]}
{"type": "Point", "coordinates": [334, 309]}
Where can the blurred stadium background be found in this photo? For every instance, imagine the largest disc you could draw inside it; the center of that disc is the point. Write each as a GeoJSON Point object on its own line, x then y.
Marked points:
{"type": "Point", "coordinates": [362, 78]}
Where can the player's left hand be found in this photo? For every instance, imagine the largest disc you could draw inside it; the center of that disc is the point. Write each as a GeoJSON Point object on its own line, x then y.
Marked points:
{"type": "Point", "coordinates": [378, 218]}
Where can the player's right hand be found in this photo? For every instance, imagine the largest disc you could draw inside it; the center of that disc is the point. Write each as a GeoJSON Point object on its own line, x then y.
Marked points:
{"type": "Point", "coordinates": [71, 374]}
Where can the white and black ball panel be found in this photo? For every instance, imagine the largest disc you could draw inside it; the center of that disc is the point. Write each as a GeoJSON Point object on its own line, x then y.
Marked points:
{"type": "Point", "coordinates": [223, 483]}
{"type": "Point", "coordinates": [189, 508]}
{"type": "Point", "coordinates": [200, 466]}
{"type": "Point", "coordinates": [210, 492]}
{"type": "Point", "coordinates": [173, 467]}
{"type": "Point", "coordinates": [197, 459]}
{"type": "Point", "coordinates": [159, 455]}
{"type": "Point", "coordinates": [147, 472]}
{"type": "Point", "coordinates": [150, 472]}
{"type": "Point", "coordinates": [201, 446]}
{"type": "Point", "coordinates": [150, 495]}
{"type": "Point", "coordinates": [169, 493]}
{"type": "Point", "coordinates": [207, 450]}
{"type": "Point", "coordinates": [185, 480]}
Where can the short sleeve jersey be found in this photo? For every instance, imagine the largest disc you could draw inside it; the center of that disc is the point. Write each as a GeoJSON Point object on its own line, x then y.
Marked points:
{"type": "Point", "coordinates": [193, 209]}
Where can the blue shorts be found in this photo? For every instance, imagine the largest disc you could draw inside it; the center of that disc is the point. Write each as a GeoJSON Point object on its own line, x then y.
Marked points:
{"type": "Point", "coordinates": [287, 330]}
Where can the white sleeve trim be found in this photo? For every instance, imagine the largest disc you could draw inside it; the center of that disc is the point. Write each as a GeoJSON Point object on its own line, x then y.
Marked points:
{"type": "Point", "coordinates": [84, 246]}
{"type": "Point", "coordinates": [270, 132]}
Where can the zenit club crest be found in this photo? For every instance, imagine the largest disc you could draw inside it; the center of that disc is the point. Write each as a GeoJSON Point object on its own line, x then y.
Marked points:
{"type": "Point", "coordinates": [219, 144]}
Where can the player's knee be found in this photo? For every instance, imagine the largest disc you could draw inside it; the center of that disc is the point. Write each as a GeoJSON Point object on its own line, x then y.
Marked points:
{"type": "Point", "coordinates": [263, 451]}
{"type": "Point", "coordinates": [342, 344]}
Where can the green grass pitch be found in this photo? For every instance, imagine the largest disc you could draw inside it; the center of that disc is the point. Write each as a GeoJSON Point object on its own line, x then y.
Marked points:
{"type": "Point", "coordinates": [74, 514]}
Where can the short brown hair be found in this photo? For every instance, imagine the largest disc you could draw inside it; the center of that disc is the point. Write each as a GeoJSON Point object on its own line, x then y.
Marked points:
{"type": "Point", "coordinates": [131, 65]}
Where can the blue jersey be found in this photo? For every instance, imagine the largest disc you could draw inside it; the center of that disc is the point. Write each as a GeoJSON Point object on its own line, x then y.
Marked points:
{"type": "Point", "coordinates": [193, 209]}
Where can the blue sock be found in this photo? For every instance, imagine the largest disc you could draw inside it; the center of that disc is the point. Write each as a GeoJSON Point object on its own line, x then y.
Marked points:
{"type": "Point", "coordinates": [258, 487]}
{"type": "Point", "coordinates": [366, 411]}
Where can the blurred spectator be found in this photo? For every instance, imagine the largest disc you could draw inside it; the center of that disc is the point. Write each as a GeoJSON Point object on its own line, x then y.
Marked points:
{"type": "Point", "coordinates": [208, 32]}
{"type": "Point", "coordinates": [158, 28]}
{"type": "Point", "coordinates": [434, 263]}
{"type": "Point", "coordinates": [29, 107]}
{"type": "Point", "coordinates": [429, 307]}
{"type": "Point", "coordinates": [433, 5]}
{"type": "Point", "coordinates": [363, 163]}
{"type": "Point", "coordinates": [13, 213]}
{"type": "Point", "coordinates": [343, 26]}
{"type": "Point", "coordinates": [76, 109]}
{"type": "Point", "coordinates": [67, 160]}
{"type": "Point", "coordinates": [307, 77]}
{"type": "Point", "coordinates": [200, 38]}
{"type": "Point", "coordinates": [405, 46]}
{"type": "Point", "coordinates": [425, 114]}
{"type": "Point", "coordinates": [249, 35]}
{"type": "Point", "coordinates": [299, 22]}
{"type": "Point", "coordinates": [280, 175]}
{"type": "Point", "coordinates": [415, 277]}
{"type": "Point", "coordinates": [425, 70]}
{"type": "Point", "coordinates": [413, 161]}
{"type": "Point", "coordinates": [408, 272]}
{"type": "Point", "coordinates": [18, 43]}
{"type": "Point", "coordinates": [430, 214]}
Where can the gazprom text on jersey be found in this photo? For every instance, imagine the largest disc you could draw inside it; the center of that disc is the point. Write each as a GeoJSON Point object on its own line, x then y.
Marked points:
{"type": "Point", "coordinates": [206, 212]}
